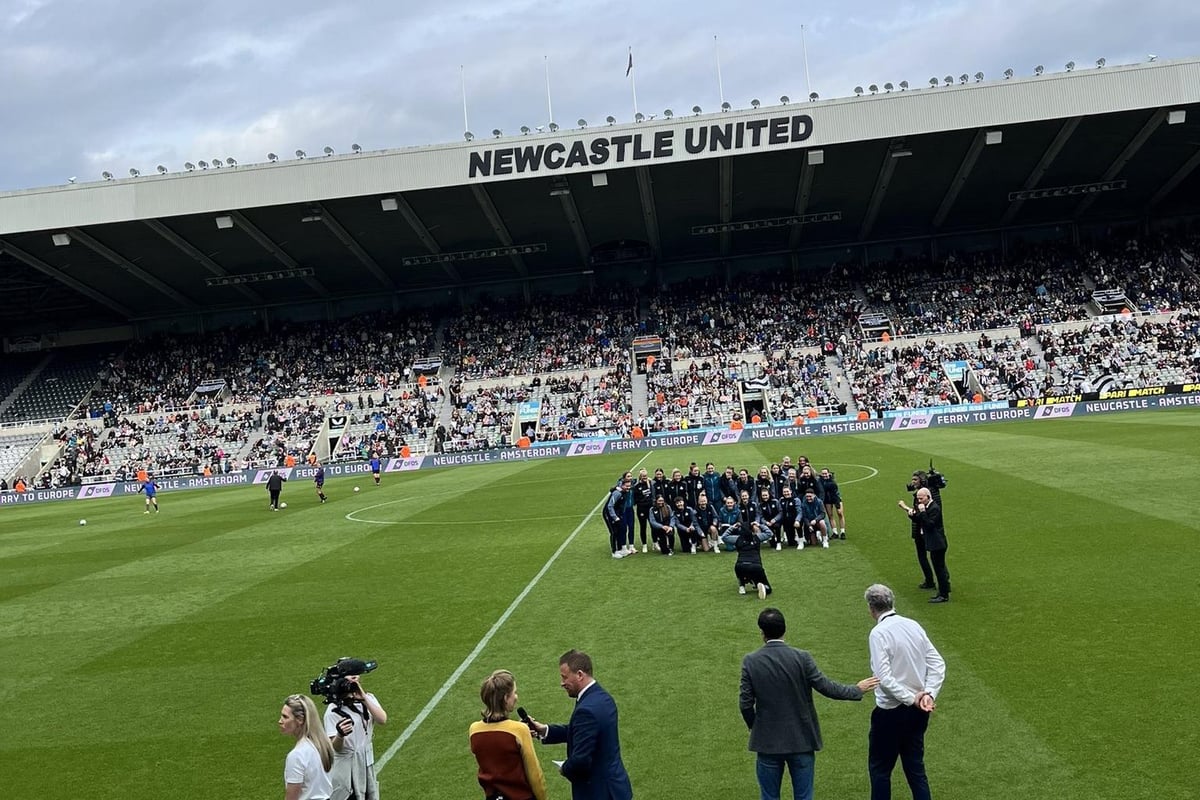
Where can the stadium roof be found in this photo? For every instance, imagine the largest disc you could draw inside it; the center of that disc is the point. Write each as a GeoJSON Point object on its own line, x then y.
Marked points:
{"type": "Point", "coordinates": [1092, 144]}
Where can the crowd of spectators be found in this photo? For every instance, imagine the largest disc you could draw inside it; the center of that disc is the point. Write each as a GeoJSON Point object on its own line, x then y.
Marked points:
{"type": "Point", "coordinates": [757, 313]}
{"type": "Point", "coordinates": [702, 394]}
{"type": "Point", "coordinates": [401, 420]}
{"type": "Point", "coordinates": [364, 353]}
{"type": "Point", "coordinates": [572, 408]}
{"type": "Point", "coordinates": [886, 378]}
{"type": "Point", "coordinates": [1124, 353]}
{"type": "Point", "coordinates": [551, 334]}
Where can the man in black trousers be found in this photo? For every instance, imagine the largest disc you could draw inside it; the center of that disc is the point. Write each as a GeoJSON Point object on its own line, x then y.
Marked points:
{"type": "Point", "coordinates": [275, 486]}
{"type": "Point", "coordinates": [928, 517]}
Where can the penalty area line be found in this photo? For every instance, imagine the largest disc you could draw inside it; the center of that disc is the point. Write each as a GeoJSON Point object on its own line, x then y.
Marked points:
{"type": "Point", "coordinates": [408, 732]}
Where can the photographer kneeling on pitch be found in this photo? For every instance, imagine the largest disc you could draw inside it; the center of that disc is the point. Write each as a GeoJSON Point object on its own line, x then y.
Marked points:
{"type": "Point", "coordinates": [350, 721]}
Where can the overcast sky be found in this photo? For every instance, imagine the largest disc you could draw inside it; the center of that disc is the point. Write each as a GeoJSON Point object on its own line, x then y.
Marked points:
{"type": "Point", "coordinates": [93, 85]}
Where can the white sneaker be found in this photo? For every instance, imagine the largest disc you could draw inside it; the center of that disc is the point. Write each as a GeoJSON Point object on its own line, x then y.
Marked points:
{"type": "Point", "coordinates": [618, 554]}
{"type": "Point", "coordinates": [800, 545]}
{"type": "Point", "coordinates": [643, 548]}
{"type": "Point", "coordinates": [825, 542]}
{"type": "Point", "coordinates": [778, 546]}
{"type": "Point", "coordinates": [762, 591]}
{"type": "Point", "coordinates": [741, 590]}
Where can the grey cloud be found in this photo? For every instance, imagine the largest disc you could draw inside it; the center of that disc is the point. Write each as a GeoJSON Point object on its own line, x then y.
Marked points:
{"type": "Point", "coordinates": [100, 84]}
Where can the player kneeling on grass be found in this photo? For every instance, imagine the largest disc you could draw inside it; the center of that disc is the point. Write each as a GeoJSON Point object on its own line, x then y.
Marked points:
{"type": "Point", "coordinates": [811, 521]}
{"type": "Point", "coordinates": [748, 568]}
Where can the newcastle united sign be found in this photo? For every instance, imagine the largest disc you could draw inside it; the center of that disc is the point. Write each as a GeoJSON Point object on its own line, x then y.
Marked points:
{"type": "Point", "coordinates": [622, 148]}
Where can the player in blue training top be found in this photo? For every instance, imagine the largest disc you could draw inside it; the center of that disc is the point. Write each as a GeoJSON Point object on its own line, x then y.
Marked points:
{"type": "Point", "coordinates": [151, 490]}
{"type": "Point", "coordinates": [319, 480]}
{"type": "Point", "coordinates": [375, 469]}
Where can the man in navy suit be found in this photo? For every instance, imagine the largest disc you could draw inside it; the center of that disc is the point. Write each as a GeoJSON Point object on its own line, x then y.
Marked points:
{"type": "Point", "coordinates": [593, 764]}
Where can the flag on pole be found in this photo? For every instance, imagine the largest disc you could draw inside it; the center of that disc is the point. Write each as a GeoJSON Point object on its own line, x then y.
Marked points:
{"type": "Point", "coordinates": [629, 68]}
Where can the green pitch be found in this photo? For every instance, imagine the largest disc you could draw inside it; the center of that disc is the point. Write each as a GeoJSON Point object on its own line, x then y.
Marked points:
{"type": "Point", "coordinates": [148, 656]}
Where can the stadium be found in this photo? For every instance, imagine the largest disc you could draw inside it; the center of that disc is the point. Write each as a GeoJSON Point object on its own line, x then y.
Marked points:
{"type": "Point", "coordinates": [509, 323]}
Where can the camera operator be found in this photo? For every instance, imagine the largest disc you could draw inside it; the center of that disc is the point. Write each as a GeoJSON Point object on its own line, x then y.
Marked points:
{"type": "Point", "coordinates": [350, 723]}
{"type": "Point", "coordinates": [934, 481]}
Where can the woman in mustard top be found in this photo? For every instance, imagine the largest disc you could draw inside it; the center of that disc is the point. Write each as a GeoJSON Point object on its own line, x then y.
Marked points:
{"type": "Point", "coordinates": [503, 747]}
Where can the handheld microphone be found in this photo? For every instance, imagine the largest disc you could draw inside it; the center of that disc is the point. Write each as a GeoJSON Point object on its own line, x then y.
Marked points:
{"type": "Point", "coordinates": [524, 715]}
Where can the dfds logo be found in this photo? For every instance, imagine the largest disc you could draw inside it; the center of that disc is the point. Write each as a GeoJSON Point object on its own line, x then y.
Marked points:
{"type": "Point", "coordinates": [586, 448]}
{"type": "Point", "coordinates": [96, 490]}
{"type": "Point", "coordinates": [405, 464]}
{"type": "Point", "coordinates": [1055, 411]}
{"type": "Point", "coordinates": [911, 423]}
{"type": "Point", "coordinates": [722, 437]}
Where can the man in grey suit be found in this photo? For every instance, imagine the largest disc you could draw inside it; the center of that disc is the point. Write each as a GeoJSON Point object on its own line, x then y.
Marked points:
{"type": "Point", "coordinates": [776, 702]}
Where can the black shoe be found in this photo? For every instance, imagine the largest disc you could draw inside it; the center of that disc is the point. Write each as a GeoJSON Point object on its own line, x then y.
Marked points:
{"type": "Point", "coordinates": [939, 599]}
{"type": "Point", "coordinates": [926, 585]}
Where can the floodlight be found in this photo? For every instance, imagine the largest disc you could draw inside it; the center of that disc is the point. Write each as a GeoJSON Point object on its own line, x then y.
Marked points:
{"type": "Point", "coordinates": [1039, 69]}
{"type": "Point", "coordinates": [468, 135]}
{"type": "Point", "coordinates": [784, 100]}
{"type": "Point", "coordinates": [668, 113]}
{"type": "Point", "coordinates": [553, 127]}
{"type": "Point", "coordinates": [71, 179]}
{"type": "Point", "coordinates": [978, 77]}
{"type": "Point", "coordinates": [1152, 58]}
{"type": "Point", "coordinates": [887, 87]}
{"type": "Point", "coordinates": [903, 85]}
{"type": "Point", "coordinates": [949, 80]}
{"type": "Point", "coordinates": [161, 169]}
{"type": "Point", "coordinates": [540, 128]}
{"type": "Point", "coordinates": [300, 154]}
{"type": "Point", "coordinates": [224, 222]}
{"type": "Point", "coordinates": [202, 164]}
{"type": "Point", "coordinates": [725, 106]}
{"type": "Point", "coordinates": [108, 176]}
{"type": "Point", "coordinates": [695, 109]}
{"type": "Point", "coordinates": [497, 133]}
{"type": "Point", "coordinates": [581, 122]}
{"type": "Point", "coordinates": [963, 78]}
{"type": "Point", "coordinates": [217, 163]}
{"type": "Point", "coordinates": [525, 131]}
{"type": "Point", "coordinates": [639, 117]}
{"type": "Point", "coordinates": [754, 103]}
{"type": "Point", "coordinates": [1070, 66]}
{"type": "Point", "coordinates": [1008, 73]}
{"type": "Point", "coordinates": [189, 166]}
{"type": "Point", "coordinates": [60, 239]}
{"type": "Point", "coordinates": [272, 157]}
{"type": "Point", "coordinates": [610, 119]}
{"type": "Point", "coordinates": [1100, 62]}
{"type": "Point", "coordinates": [356, 148]}
{"type": "Point", "coordinates": [813, 97]}
{"type": "Point", "coordinates": [858, 90]}
{"type": "Point", "coordinates": [873, 88]}
{"type": "Point", "coordinates": [389, 203]}
{"type": "Point", "coordinates": [229, 162]}
{"type": "Point", "coordinates": [134, 172]}
{"type": "Point", "coordinates": [933, 81]}
{"type": "Point", "coordinates": [327, 150]}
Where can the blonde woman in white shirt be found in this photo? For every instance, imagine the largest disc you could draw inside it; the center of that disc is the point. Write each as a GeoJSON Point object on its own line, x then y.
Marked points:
{"type": "Point", "coordinates": [306, 770]}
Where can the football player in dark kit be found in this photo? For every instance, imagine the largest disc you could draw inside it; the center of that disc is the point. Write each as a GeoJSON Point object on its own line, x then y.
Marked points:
{"type": "Point", "coordinates": [770, 514]}
{"type": "Point", "coordinates": [319, 481]}
{"type": "Point", "coordinates": [685, 526]}
{"type": "Point", "coordinates": [662, 526]}
{"type": "Point", "coordinates": [274, 487]}
{"type": "Point", "coordinates": [643, 501]}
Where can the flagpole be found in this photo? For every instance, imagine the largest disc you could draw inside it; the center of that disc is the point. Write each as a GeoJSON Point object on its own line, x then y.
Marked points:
{"type": "Point", "coordinates": [633, 81]}
{"type": "Point", "coordinates": [804, 50]}
{"type": "Point", "coordinates": [462, 73]}
{"type": "Point", "coordinates": [720, 84]}
{"type": "Point", "coordinates": [549, 107]}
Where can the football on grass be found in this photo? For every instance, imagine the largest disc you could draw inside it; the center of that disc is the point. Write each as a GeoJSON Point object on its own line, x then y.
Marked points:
{"type": "Point", "coordinates": [83, 522]}
{"type": "Point", "coordinates": [356, 488]}
{"type": "Point", "coordinates": [283, 505]}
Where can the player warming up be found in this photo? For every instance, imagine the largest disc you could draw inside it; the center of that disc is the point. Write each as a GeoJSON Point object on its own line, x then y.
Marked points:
{"type": "Point", "coordinates": [151, 489]}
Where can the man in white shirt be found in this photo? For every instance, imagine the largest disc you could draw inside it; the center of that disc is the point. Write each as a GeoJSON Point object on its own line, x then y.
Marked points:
{"type": "Point", "coordinates": [910, 672]}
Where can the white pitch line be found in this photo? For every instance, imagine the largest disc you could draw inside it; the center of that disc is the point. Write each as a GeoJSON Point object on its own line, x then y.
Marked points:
{"type": "Point", "coordinates": [382, 762]}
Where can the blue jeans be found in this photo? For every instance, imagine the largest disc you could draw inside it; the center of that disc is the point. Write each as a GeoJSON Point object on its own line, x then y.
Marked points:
{"type": "Point", "coordinates": [770, 774]}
